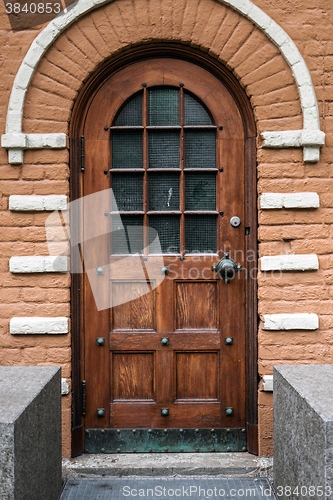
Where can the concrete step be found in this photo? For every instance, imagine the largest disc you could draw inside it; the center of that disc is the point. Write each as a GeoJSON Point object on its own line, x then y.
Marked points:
{"type": "Point", "coordinates": [172, 464]}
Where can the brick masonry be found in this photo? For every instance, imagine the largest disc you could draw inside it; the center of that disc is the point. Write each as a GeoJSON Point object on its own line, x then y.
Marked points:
{"type": "Point", "coordinates": [297, 220]}
{"type": "Point", "coordinates": [310, 137]}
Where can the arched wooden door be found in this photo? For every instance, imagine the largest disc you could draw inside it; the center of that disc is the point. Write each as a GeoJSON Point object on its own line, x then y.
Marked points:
{"type": "Point", "coordinates": [165, 365]}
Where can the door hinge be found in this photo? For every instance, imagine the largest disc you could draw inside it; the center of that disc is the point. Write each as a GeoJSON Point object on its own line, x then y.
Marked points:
{"type": "Point", "coordinates": [82, 153]}
{"type": "Point", "coordinates": [84, 397]}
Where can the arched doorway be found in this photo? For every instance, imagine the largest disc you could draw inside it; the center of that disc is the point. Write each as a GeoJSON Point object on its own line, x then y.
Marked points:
{"type": "Point", "coordinates": [170, 364]}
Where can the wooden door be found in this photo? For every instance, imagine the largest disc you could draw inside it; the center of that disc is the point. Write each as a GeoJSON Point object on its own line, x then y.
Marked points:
{"type": "Point", "coordinates": [169, 353]}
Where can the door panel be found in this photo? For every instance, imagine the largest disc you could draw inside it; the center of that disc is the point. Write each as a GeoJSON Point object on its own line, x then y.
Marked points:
{"type": "Point", "coordinates": [135, 313]}
{"type": "Point", "coordinates": [197, 375]}
{"type": "Point", "coordinates": [174, 156]}
{"type": "Point", "coordinates": [196, 305]}
{"type": "Point", "coordinates": [133, 376]}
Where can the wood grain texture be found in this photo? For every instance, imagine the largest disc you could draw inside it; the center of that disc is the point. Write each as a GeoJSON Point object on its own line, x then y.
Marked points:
{"type": "Point", "coordinates": [133, 376]}
{"type": "Point", "coordinates": [196, 305]}
{"type": "Point", "coordinates": [137, 313]}
{"type": "Point", "coordinates": [196, 375]}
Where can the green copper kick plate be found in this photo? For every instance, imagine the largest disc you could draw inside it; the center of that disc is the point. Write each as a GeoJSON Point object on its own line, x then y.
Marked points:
{"type": "Point", "coordinates": [164, 440]}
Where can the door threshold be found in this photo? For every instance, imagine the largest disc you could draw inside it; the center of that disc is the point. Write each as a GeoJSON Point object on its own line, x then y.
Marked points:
{"type": "Point", "coordinates": [168, 464]}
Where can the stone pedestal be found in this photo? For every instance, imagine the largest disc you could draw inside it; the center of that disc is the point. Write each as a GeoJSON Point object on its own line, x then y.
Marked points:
{"type": "Point", "coordinates": [30, 433]}
{"type": "Point", "coordinates": [303, 431]}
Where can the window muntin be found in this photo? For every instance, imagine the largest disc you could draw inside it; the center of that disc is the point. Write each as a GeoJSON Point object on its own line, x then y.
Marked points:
{"type": "Point", "coordinates": [164, 173]}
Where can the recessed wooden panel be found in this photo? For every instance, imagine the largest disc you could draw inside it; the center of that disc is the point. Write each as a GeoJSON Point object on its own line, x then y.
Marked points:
{"type": "Point", "coordinates": [137, 310]}
{"type": "Point", "coordinates": [133, 376]}
{"type": "Point", "coordinates": [197, 375]}
{"type": "Point", "coordinates": [196, 305]}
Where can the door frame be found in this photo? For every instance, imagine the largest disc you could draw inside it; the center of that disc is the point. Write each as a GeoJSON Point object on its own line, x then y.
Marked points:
{"type": "Point", "coordinates": [80, 107]}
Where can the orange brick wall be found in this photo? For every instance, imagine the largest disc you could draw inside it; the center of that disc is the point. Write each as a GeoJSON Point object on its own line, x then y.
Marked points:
{"type": "Point", "coordinates": [216, 29]}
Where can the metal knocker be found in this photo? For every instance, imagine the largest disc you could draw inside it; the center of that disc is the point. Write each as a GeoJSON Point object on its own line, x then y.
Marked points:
{"type": "Point", "coordinates": [226, 268]}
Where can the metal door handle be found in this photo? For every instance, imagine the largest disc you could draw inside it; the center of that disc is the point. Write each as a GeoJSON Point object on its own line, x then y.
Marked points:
{"type": "Point", "coordinates": [226, 268]}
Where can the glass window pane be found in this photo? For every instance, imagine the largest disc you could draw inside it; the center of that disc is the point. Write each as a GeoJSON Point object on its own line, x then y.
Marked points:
{"type": "Point", "coordinates": [127, 235]}
{"type": "Point", "coordinates": [163, 107]}
{"type": "Point", "coordinates": [200, 233]}
{"type": "Point", "coordinates": [163, 191]}
{"type": "Point", "coordinates": [195, 113]}
{"type": "Point", "coordinates": [167, 229]}
{"type": "Point", "coordinates": [200, 191]}
{"type": "Point", "coordinates": [200, 149]}
{"type": "Point", "coordinates": [128, 191]}
{"type": "Point", "coordinates": [131, 113]}
{"type": "Point", "coordinates": [163, 149]}
{"type": "Point", "coordinates": [127, 149]}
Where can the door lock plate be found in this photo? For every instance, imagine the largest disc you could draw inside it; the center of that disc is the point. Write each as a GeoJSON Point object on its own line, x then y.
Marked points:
{"type": "Point", "coordinates": [235, 221]}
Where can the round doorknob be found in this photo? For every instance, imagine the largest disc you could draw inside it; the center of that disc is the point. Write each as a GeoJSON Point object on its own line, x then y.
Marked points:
{"type": "Point", "coordinates": [165, 412]}
{"type": "Point", "coordinates": [165, 341]}
{"type": "Point", "coordinates": [226, 268]}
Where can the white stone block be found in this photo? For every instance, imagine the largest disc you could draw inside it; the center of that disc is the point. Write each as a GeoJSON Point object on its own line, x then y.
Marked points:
{"type": "Point", "coordinates": [47, 36]}
{"type": "Point", "coordinates": [15, 156]}
{"type": "Point", "coordinates": [311, 118]}
{"type": "Point", "coordinates": [290, 263]}
{"type": "Point", "coordinates": [35, 53]}
{"type": "Point", "coordinates": [283, 139]}
{"type": "Point", "coordinates": [23, 76]}
{"type": "Point", "coordinates": [308, 137]}
{"type": "Point", "coordinates": [271, 201]}
{"type": "Point", "coordinates": [291, 52]}
{"type": "Point", "coordinates": [301, 73]}
{"type": "Point", "coordinates": [259, 17]}
{"type": "Point", "coordinates": [65, 19]}
{"type": "Point", "coordinates": [17, 98]}
{"type": "Point", "coordinates": [276, 34]}
{"type": "Point", "coordinates": [13, 140]}
{"type": "Point", "coordinates": [297, 321]}
{"type": "Point", "coordinates": [40, 141]}
{"type": "Point", "coordinates": [14, 122]}
{"type": "Point", "coordinates": [54, 202]}
{"type": "Point", "coordinates": [242, 6]}
{"type": "Point", "coordinates": [307, 95]}
{"type": "Point", "coordinates": [84, 6]}
{"type": "Point", "coordinates": [268, 383]}
{"type": "Point", "coordinates": [311, 154]}
{"type": "Point", "coordinates": [38, 264]}
{"type": "Point", "coordinates": [313, 138]}
{"type": "Point", "coordinates": [301, 200]}
{"type": "Point", "coordinates": [64, 387]}
{"type": "Point", "coordinates": [38, 325]}
{"type": "Point", "coordinates": [23, 203]}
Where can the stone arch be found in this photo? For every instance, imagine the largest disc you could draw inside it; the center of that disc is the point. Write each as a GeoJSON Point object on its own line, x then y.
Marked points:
{"type": "Point", "coordinates": [236, 32]}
